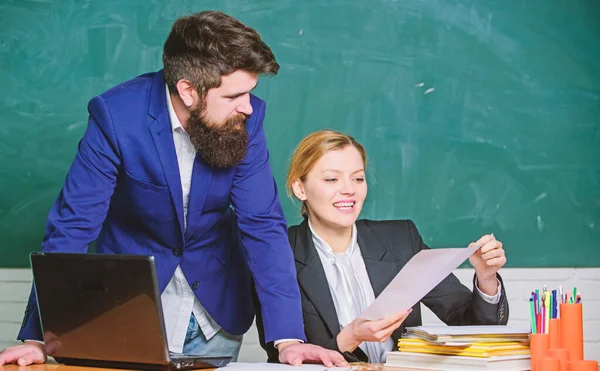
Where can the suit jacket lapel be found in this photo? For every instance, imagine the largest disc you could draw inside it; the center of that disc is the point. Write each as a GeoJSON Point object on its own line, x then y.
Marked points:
{"type": "Point", "coordinates": [380, 264]}
{"type": "Point", "coordinates": [312, 279]}
{"type": "Point", "coordinates": [162, 135]}
{"type": "Point", "coordinates": [201, 176]}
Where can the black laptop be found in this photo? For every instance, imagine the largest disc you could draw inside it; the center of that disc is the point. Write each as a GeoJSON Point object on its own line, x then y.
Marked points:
{"type": "Point", "coordinates": [104, 310]}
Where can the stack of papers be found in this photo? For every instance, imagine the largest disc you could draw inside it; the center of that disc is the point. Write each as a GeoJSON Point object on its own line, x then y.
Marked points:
{"type": "Point", "coordinates": [463, 348]}
{"type": "Point", "coordinates": [461, 335]}
{"type": "Point", "coordinates": [478, 349]}
{"type": "Point", "coordinates": [458, 363]}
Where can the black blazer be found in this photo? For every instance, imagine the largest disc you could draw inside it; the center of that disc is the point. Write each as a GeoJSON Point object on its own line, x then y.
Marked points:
{"type": "Point", "coordinates": [386, 246]}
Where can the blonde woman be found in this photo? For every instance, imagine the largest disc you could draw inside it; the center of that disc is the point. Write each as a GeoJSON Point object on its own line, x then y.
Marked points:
{"type": "Point", "coordinates": [344, 263]}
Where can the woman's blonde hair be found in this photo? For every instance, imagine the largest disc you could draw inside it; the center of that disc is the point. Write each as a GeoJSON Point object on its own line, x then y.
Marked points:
{"type": "Point", "coordinates": [310, 150]}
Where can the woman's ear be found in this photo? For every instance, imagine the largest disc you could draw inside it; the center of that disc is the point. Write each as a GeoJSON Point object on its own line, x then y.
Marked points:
{"type": "Point", "coordinates": [187, 93]}
{"type": "Point", "coordinates": [298, 189]}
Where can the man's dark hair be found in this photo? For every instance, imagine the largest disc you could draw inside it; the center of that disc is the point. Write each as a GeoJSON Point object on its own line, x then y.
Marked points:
{"type": "Point", "coordinates": [207, 45]}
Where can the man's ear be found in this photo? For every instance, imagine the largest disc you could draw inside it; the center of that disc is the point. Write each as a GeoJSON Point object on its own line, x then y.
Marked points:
{"type": "Point", "coordinates": [298, 189]}
{"type": "Point", "coordinates": [187, 93]}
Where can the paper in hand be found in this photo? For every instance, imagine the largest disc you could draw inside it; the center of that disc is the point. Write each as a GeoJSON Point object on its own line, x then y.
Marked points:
{"type": "Point", "coordinates": [420, 275]}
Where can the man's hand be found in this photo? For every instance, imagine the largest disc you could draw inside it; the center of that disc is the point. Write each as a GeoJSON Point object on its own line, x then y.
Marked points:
{"type": "Point", "coordinates": [296, 353]}
{"type": "Point", "coordinates": [25, 354]}
{"type": "Point", "coordinates": [487, 261]}
{"type": "Point", "coordinates": [361, 330]}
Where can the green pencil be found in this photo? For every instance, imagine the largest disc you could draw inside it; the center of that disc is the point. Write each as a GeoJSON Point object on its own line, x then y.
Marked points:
{"type": "Point", "coordinates": [533, 326]}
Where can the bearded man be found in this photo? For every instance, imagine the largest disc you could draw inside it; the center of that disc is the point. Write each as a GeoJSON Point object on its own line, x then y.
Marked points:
{"type": "Point", "coordinates": [174, 164]}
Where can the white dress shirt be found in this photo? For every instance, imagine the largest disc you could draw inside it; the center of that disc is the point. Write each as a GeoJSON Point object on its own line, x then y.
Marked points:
{"type": "Point", "coordinates": [178, 299]}
{"type": "Point", "coordinates": [375, 351]}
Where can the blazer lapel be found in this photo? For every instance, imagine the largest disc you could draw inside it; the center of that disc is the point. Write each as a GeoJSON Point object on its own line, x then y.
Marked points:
{"type": "Point", "coordinates": [201, 176]}
{"type": "Point", "coordinates": [380, 264]}
{"type": "Point", "coordinates": [162, 135]}
{"type": "Point", "coordinates": [312, 279]}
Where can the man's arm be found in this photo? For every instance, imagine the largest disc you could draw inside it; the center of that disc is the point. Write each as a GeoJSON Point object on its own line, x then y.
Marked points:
{"type": "Point", "coordinates": [264, 237]}
{"type": "Point", "coordinates": [75, 219]}
{"type": "Point", "coordinates": [79, 211]}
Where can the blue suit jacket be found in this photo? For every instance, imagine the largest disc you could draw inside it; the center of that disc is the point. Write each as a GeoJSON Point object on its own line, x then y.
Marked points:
{"type": "Point", "coordinates": [124, 191]}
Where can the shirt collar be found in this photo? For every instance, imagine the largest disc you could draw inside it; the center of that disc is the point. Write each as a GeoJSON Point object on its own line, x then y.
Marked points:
{"type": "Point", "coordinates": [324, 247]}
{"type": "Point", "coordinates": [175, 123]}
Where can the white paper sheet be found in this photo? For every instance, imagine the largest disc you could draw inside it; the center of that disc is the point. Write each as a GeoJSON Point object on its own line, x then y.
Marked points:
{"type": "Point", "coordinates": [277, 367]}
{"type": "Point", "coordinates": [419, 276]}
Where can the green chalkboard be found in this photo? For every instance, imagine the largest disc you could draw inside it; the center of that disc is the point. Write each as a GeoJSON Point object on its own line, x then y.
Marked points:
{"type": "Point", "coordinates": [478, 116]}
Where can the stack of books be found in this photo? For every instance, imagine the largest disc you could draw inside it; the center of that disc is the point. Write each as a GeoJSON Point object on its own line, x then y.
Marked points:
{"type": "Point", "coordinates": [463, 348]}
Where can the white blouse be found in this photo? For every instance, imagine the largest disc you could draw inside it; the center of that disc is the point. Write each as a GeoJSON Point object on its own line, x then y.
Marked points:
{"type": "Point", "coordinates": [350, 288]}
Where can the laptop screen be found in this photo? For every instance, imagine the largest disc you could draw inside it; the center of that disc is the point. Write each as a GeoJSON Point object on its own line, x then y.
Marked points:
{"type": "Point", "coordinates": [100, 307]}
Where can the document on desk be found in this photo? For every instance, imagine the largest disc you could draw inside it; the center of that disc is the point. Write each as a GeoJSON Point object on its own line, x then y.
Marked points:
{"type": "Point", "coordinates": [419, 276]}
{"type": "Point", "coordinates": [274, 367]}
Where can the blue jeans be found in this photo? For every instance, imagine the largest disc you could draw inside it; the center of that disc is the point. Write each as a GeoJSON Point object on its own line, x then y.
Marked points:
{"type": "Point", "coordinates": [221, 344]}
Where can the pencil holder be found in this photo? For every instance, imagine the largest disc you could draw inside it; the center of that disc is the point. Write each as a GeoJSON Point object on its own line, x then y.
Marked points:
{"type": "Point", "coordinates": [554, 331]}
{"type": "Point", "coordinates": [538, 345]}
{"type": "Point", "coordinates": [548, 364]}
{"type": "Point", "coordinates": [582, 366]}
{"type": "Point", "coordinates": [562, 355]}
{"type": "Point", "coordinates": [571, 330]}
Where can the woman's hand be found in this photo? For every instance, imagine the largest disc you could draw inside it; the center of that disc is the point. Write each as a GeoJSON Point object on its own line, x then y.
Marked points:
{"type": "Point", "coordinates": [487, 261]}
{"type": "Point", "coordinates": [361, 330]}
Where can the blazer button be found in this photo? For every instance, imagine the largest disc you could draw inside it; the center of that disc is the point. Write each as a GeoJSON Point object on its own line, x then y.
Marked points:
{"type": "Point", "coordinates": [196, 285]}
{"type": "Point", "coordinates": [177, 252]}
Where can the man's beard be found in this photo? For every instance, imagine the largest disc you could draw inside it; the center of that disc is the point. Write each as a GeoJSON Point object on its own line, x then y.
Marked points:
{"type": "Point", "coordinates": [220, 146]}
